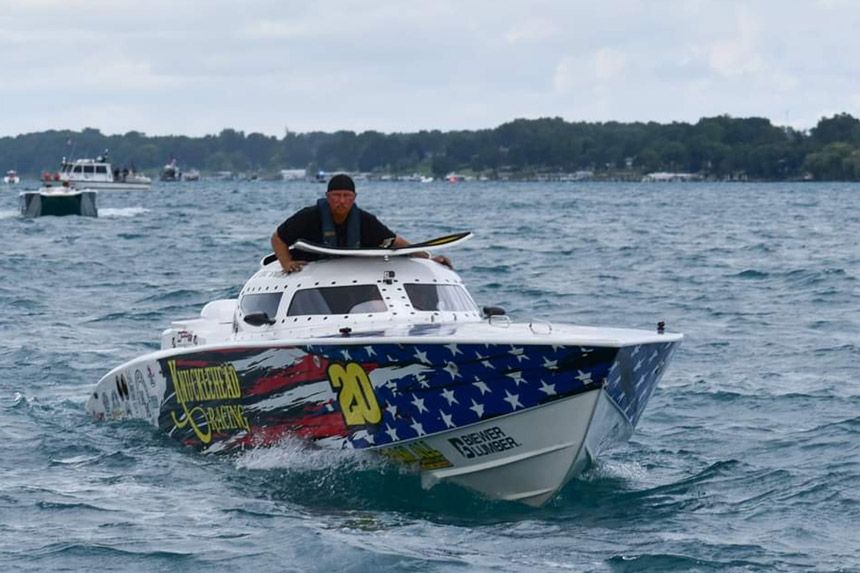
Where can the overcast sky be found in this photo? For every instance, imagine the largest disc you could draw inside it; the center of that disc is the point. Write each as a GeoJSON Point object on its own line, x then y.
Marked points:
{"type": "Point", "coordinates": [195, 67]}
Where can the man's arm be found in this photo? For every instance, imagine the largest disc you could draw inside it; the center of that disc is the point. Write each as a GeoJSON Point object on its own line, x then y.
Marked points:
{"type": "Point", "coordinates": [282, 251]}
{"type": "Point", "coordinates": [441, 259]}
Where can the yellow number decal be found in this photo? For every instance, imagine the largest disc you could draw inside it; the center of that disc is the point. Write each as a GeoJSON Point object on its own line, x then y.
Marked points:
{"type": "Point", "coordinates": [355, 394]}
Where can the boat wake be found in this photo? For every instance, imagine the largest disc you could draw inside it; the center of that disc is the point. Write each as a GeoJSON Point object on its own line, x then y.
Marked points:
{"type": "Point", "coordinates": [123, 212]}
{"type": "Point", "coordinates": [298, 455]}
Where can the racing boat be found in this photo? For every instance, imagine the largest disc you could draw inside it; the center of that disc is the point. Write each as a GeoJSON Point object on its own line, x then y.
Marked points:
{"type": "Point", "coordinates": [374, 349]}
{"type": "Point", "coordinates": [59, 201]}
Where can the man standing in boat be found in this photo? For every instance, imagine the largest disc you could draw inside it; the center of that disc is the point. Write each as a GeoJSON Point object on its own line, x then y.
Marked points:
{"type": "Point", "coordinates": [335, 221]}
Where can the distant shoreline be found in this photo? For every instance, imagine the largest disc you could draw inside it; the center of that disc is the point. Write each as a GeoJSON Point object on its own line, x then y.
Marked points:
{"type": "Point", "coordinates": [720, 148]}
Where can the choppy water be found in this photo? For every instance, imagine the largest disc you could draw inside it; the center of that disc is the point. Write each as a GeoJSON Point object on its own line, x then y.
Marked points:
{"type": "Point", "coordinates": [747, 458]}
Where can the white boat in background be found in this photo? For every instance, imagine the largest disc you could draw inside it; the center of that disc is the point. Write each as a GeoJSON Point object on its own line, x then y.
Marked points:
{"type": "Point", "coordinates": [171, 172]}
{"type": "Point", "coordinates": [191, 175]}
{"type": "Point", "coordinates": [98, 174]}
{"type": "Point", "coordinates": [59, 201]}
{"type": "Point", "coordinates": [380, 351]}
{"type": "Point", "coordinates": [11, 177]}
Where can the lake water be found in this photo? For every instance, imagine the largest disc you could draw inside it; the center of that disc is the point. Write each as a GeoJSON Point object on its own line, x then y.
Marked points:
{"type": "Point", "coordinates": [747, 457]}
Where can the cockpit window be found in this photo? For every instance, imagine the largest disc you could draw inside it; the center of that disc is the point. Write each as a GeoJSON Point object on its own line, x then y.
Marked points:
{"type": "Point", "coordinates": [353, 299]}
{"type": "Point", "coordinates": [265, 302]}
{"type": "Point", "coordinates": [439, 297]}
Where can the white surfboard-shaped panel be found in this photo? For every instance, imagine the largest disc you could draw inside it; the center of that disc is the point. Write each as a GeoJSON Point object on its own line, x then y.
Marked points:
{"type": "Point", "coordinates": [431, 245]}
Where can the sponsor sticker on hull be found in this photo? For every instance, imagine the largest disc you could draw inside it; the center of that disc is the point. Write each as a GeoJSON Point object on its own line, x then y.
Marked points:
{"type": "Point", "coordinates": [493, 440]}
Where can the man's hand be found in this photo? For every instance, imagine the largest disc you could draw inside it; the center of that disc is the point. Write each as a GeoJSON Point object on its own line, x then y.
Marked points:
{"type": "Point", "coordinates": [443, 260]}
{"type": "Point", "coordinates": [292, 266]}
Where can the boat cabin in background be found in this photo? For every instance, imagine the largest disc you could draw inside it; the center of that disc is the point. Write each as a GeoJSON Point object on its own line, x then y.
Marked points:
{"type": "Point", "coordinates": [98, 174]}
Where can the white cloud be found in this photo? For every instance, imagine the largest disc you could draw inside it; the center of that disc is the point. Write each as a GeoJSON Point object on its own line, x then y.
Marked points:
{"type": "Point", "coordinates": [568, 75]}
{"type": "Point", "coordinates": [737, 55]}
{"type": "Point", "coordinates": [531, 30]}
{"type": "Point", "coordinates": [608, 63]}
{"type": "Point", "coordinates": [784, 82]}
{"type": "Point", "coordinates": [589, 71]}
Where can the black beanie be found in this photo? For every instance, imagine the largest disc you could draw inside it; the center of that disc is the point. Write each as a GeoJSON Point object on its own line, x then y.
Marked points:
{"type": "Point", "coordinates": [341, 182]}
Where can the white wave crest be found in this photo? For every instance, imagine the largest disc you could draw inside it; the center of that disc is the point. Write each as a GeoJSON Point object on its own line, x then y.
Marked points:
{"type": "Point", "coordinates": [123, 212]}
{"type": "Point", "coordinates": [298, 455]}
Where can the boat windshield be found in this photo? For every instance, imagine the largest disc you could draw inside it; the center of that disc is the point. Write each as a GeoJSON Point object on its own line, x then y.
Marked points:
{"type": "Point", "coordinates": [351, 299]}
{"type": "Point", "coordinates": [435, 297]}
{"type": "Point", "coordinates": [265, 302]}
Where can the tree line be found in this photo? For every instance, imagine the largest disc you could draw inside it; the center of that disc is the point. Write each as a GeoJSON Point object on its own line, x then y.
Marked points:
{"type": "Point", "coordinates": [719, 147]}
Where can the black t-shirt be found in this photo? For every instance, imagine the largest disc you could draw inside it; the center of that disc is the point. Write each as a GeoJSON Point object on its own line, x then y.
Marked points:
{"type": "Point", "coordinates": [307, 225]}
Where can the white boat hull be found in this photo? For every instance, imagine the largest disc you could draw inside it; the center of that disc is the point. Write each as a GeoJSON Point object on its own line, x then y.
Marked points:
{"type": "Point", "coordinates": [512, 421]}
{"type": "Point", "coordinates": [110, 185]}
{"type": "Point", "coordinates": [525, 457]}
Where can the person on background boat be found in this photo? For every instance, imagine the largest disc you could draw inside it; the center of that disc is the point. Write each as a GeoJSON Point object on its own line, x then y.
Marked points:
{"type": "Point", "coordinates": [335, 221]}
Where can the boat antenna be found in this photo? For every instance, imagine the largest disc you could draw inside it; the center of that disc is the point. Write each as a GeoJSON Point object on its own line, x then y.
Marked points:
{"type": "Point", "coordinates": [71, 144]}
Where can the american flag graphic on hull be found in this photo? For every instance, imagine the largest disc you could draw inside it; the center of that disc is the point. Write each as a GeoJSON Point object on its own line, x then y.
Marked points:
{"type": "Point", "coordinates": [375, 395]}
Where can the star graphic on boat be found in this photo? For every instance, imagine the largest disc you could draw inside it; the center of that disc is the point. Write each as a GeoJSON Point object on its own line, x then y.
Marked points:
{"type": "Point", "coordinates": [557, 347]}
{"type": "Point", "coordinates": [586, 351]}
{"type": "Point", "coordinates": [518, 354]}
{"type": "Point", "coordinates": [513, 400]}
{"type": "Point", "coordinates": [370, 351]}
{"type": "Point", "coordinates": [392, 432]}
{"type": "Point", "coordinates": [482, 386]}
{"type": "Point", "coordinates": [453, 348]}
{"type": "Point", "coordinates": [419, 404]}
{"type": "Point", "coordinates": [488, 364]}
{"type": "Point", "coordinates": [419, 429]}
{"type": "Point", "coordinates": [422, 380]}
{"type": "Point", "coordinates": [548, 389]}
{"type": "Point", "coordinates": [448, 419]}
{"type": "Point", "coordinates": [448, 394]}
{"type": "Point", "coordinates": [393, 409]}
{"type": "Point", "coordinates": [517, 377]}
{"type": "Point", "coordinates": [584, 377]}
{"type": "Point", "coordinates": [550, 364]}
{"type": "Point", "coordinates": [638, 365]}
{"type": "Point", "coordinates": [346, 355]}
{"type": "Point", "coordinates": [477, 408]}
{"type": "Point", "coordinates": [421, 356]}
{"type": "Point", "coordinates": [369, 438]}
{"type": "Point", "coordinates": [635, 351]}
{"type": "Point", "coordinates": [452, 369]}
